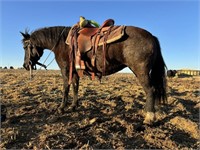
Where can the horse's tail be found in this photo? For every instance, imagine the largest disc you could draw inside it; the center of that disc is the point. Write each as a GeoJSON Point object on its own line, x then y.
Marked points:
{"type": "Point", "coordinates": [158, 75]}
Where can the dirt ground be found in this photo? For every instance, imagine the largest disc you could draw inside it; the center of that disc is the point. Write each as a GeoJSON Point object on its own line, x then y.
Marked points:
{"type": "Point", "coordinates": [109, 116]}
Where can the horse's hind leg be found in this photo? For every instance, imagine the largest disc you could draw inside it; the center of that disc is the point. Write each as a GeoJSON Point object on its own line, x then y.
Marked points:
{"type": "Point", "coordinates": [145, 82]}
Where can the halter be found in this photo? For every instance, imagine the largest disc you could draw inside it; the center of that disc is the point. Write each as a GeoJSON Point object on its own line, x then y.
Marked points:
{"type": "Point", "coordinates": [30, 47]}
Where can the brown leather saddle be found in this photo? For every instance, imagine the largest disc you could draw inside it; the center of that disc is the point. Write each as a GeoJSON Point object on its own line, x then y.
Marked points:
{"type": "Point", "coordinates": [89, 38]}
{"type": "Point", "coordinates": [87, 35]}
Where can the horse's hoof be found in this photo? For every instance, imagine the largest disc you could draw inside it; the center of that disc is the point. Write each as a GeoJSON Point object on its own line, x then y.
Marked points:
{"type": "Point", "coordinates": [150, 118]}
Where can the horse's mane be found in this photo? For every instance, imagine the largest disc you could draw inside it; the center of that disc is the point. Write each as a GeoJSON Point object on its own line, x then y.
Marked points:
{"type": "Point", "coordinates": [49, 34]}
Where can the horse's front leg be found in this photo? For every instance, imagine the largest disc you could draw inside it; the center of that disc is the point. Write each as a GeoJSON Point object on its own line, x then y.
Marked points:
{"type": "Point", "coordinates": [75, 84]}
{"type": "Point", "coordinates": [66, 88]}
{"type": "Point", "coordinates": [63, 104]}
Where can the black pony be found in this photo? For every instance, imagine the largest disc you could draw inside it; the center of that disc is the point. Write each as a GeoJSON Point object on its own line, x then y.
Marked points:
{"type": "Point", "coordinates": [138, 49]}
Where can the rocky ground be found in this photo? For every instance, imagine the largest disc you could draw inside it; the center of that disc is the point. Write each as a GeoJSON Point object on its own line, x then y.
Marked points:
{"type": "Point", "coordinates": [109, 116]}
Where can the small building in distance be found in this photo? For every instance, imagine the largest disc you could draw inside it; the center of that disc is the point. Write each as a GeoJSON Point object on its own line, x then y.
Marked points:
{"type": "Point", "coordinates": [188, 72]}
{"type": "Point", "coordinates": [183, 72]}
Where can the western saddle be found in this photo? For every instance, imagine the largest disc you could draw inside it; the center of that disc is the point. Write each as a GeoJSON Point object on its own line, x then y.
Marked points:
{"type": "Point", "coordinates": [82, 40]}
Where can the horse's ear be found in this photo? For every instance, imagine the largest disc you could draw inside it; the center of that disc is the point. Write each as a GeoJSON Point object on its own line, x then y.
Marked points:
{"type": "Point", "coordinates": [26, 36]}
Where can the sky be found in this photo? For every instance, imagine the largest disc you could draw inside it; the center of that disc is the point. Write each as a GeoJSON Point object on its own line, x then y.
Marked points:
{"type": "Point", "coordinates": [174, 22]}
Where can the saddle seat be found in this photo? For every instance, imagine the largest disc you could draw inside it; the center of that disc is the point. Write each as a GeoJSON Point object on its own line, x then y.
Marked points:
{"type": "Point", "coordinates": [90, 31]}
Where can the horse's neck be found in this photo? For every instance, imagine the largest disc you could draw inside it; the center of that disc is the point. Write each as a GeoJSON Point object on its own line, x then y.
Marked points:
{"type": "Point", "coordinates": [48, 44]}
{"type": "Point", "coordinates": [52, 37]}
{"type": "Point", "coordinates": [51, 45]}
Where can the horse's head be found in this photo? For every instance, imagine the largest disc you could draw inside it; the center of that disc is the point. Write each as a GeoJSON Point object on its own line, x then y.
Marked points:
{"type": "Point", "coordinates": [32, 52]}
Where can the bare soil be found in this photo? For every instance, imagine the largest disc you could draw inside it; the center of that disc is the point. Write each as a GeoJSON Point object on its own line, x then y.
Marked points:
{"type": "Point", "coordinates": [109, 115]}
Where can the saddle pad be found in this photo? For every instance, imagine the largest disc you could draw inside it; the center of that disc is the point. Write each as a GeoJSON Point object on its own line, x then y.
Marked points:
{"type": "Point", "coordinates": [116, 33]}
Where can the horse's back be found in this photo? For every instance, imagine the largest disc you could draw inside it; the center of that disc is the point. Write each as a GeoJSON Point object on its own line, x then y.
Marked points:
{"type": "Point", "coordinates": [136, 32]}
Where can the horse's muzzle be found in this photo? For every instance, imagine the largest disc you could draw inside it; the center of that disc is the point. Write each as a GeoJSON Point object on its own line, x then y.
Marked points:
{"type": "Point", "coordinates": [29, 65]}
